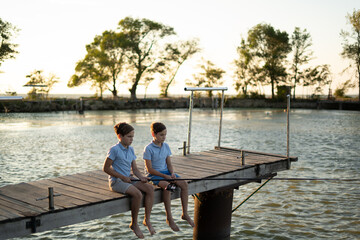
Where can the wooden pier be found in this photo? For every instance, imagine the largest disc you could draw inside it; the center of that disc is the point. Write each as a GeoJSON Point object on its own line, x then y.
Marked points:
{"type": "Point", "coordinates": [25, 208]}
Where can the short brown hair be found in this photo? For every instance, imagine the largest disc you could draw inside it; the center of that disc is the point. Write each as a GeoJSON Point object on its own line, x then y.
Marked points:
{"type": "Point", "coordinates": [123, 128]}
{"type": "Point", "coordinates": [157, 127]}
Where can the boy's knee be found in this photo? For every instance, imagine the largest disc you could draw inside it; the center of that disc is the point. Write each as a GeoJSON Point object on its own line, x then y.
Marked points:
{"type": "Point", "coordinates": [137, 195]}
{"type": "Point", "coordinates": [149, 189]}
{"type": "Point", "coordinates": [183, 185]}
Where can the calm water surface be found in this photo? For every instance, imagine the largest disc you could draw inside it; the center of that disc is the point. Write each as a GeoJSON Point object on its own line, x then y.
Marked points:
{"type": "Point", "coordinates": [36, 146]}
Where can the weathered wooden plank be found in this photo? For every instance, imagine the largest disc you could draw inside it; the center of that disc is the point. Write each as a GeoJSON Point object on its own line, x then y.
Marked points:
{"type": "Point", "coordinates": [70, 191]}
{"type": "Point", "coordinates": [208, 158]}
{"type": "Point", "coordinates": [292, 158]}
{"type": "Point", "coordinates": [198, 161]}
{"type": "Point", "coordinates": [9, 212]}
{"type": "Point", "coordinates": [250, 159]}
{"type": "Point", "coordinates": [23, 210]}
{"type": "Point", "coordinates": [25, 193]}
{"type": "Point", "coordinates": [85, 186]}
{"type": "Point", "coordinates": [22, 206]}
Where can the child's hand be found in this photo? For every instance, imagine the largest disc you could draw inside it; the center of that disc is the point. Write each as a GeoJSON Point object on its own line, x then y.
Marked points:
{"type": "Point", "coordinates": [126, 179]}
{"type": "Point", "coordinates": [173, 175]}
{"type": "Point", "coordinates": [167, 176]}
{"type": "Point", "coordinates": [144, 179]}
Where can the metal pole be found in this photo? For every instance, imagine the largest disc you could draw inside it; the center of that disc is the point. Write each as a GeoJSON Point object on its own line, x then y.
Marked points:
{"type": "Point", "coordinates": [190, 119]}
{"type": "Point", "coordinates": [221, 115]}
{"type": "Point", "coordinates": [288, 131]}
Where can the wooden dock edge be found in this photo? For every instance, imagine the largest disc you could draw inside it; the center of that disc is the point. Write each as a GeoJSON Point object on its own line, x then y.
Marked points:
{"type": "Point", "coordinates": [64, 217]}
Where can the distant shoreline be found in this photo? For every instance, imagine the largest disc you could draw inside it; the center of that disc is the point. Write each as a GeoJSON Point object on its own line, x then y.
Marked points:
{"type": "Point", "coordinates": [91, 104]}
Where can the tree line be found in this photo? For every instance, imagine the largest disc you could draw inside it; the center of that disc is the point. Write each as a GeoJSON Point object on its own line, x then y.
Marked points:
{"type": "Point", "coordinates": [141, 50]}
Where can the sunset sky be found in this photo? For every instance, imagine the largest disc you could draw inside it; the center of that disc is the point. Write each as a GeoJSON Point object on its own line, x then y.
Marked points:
{"type": "Point", "coordinates": [53, 33]}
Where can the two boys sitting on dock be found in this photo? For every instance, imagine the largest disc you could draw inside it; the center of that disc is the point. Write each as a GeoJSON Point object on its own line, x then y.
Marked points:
{"type": "Point", "coordinates": [119, 162]}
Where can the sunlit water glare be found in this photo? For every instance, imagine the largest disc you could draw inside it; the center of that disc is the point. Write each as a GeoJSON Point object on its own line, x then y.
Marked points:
{"type": "Point", "coordinates": [37, 146]}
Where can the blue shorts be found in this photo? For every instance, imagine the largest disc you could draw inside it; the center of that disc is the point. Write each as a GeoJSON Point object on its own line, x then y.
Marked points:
{"type": "Point", "coordinates": [154, 177]}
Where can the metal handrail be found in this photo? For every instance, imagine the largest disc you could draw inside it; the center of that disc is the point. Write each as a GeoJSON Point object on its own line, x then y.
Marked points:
{"type": "Point", "coordinates": [191, 106]}
{"type": "Point", "coordinates": [11, 98]}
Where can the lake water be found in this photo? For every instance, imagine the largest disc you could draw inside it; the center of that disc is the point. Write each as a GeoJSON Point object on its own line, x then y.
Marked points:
{"type": "Point", "coordinates": [36, 146]}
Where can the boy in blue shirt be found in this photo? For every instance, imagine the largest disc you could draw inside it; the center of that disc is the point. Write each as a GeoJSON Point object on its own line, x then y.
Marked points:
{"type": "Point", "coordinates": [158, 166]}
{"type": "Point", "coordinates": [119, 161]}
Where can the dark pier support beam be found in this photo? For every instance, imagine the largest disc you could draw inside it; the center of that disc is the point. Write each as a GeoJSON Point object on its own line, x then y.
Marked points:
{"type": "Point", "coordinates": [212, 214]}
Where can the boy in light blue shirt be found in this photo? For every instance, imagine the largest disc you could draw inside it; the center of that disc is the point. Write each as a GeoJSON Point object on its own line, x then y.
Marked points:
{"type": "Point", "coordinates": [157, 156]}
{"type": "Point", "coordinates": [119, 162]}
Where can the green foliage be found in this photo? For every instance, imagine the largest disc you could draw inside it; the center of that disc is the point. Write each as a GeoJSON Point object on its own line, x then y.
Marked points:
{"type": "Point", "coordinates": [343, 88]}
{"type": "Point", "coordinates": [282, 92]}
{"type": "Point", "coordinates": [135, 52]}
{"type": "Point", "coordinates": [300, 43]}
{"type": "Point", "coordinates": [209, 77]}
{"type": "Point", "coordinates": [41, 85]}
{"type": "Point", "coordinates": [145, 47]}
{"type": "Point", "coordinates": [7, 49]}
{"type": "Point", "coordinates": [270, 48]}
{"type": "Point", "coordinates": [318, 76]}
{"type": "Point", "coordinates": [177, 54]}
{"type": "Point", "coordinates": [246, 70]}
{"type": "Point", "coordinates": [102, 64]}
{"type": "Point", "coordinates": [351, 43]}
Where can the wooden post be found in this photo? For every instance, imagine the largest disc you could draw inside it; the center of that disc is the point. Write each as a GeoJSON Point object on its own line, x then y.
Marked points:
{"type": "Point", "coordinates": [51, 198]}
{"type": "Point", "coordinates": [184, 148]}
{"type": "Point", "coordinates": [242, 157]}
{"type": "Point", "coordinates": [212, 214]}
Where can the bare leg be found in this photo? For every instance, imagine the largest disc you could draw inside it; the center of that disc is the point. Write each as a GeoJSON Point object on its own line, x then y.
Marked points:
{"type": "Point", "coordinates": [167, 203]}
{"type": "Point", "coordinates": [149, 200]}
{"type": "Point", "coordinates": [136, 197]}
{"type": "Point", "coordinates": [184, 201]}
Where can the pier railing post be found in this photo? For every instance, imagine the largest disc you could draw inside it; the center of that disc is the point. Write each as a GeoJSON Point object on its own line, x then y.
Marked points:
{"type": "Point", "coordinates": [184, 148]}
{"type": "Point", "coordinates": [221, 116]}
{"type": "Point", "coordinates": [288, 131]}
{"type": "Point", "coordinates": [51, 198]}
{"type": "Point", "coordinates": [190, 120]}
{"type": "Point", "coordinates": [212, 214]}
{"type": "Point", "coordinates": [242, 157]}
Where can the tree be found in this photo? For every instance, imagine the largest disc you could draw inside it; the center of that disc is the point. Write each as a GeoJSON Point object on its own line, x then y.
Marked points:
{"type": "Point", "coordinates": [89, 69]}
{"type": "Point", "coordinates": [7, 49]}
{"type": "Point", "coordinates": [103, 62]}
{"type": "Point", "coordinates": [246, 73]}
{"type": "Point", "coordinates": [351, 43]}
{"type": "Point", "coordinates": [318, 76]}
{"type": "Point", "coordinates": [300, 43]}
{"type": "Point", "coordinates": [41, 85]}
{"type": "Point", "coordinates": [177, 54]}
{"type": "Point", "coordinates": [145, 47]}
{"type": "Point", "coordinates": [209, 77]}
{"type": "Point", "coordinates": [341, 89]}
{"type": "Point", "coordinates": [270, 47]}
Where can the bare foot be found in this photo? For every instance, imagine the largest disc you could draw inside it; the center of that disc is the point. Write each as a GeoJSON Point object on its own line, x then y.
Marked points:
{"type": "Point", "coordinates": [135, 228]}
{"type": "Point", "coordinates": [149, 226]}
{"type": "Point", "coordinates": [188, 219]}
{"type": "Point", "coordinates": [173, 225]}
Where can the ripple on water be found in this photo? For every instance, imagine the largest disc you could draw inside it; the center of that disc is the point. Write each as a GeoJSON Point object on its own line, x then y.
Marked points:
{"type": "Point", "coordinates": [66, 143]}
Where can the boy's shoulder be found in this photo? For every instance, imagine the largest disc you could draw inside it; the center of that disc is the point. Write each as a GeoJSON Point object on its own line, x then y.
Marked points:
{"type": "Point", "coordinates": [149, 145]}
{"type": "Point", "coordinates": [115, 147]}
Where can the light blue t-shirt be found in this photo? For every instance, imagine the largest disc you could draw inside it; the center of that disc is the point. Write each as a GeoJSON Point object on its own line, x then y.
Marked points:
{"type": "Point", "coordinates": [122, 158]}
{"type": "Point", "coordinates": [157, 155]}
